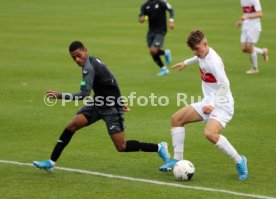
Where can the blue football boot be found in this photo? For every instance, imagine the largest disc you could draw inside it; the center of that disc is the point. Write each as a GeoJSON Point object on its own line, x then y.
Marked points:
{"type": "Point", "coordinates": [163, 71]}
{"type": "Point", "coordinates": [46, 165]}
{"type": "Point", "coordinates": [242, 169]}
{"type": "Point", "coordinates": [168, 166]}
{"type": "Point", "coordinates": [163, 152]}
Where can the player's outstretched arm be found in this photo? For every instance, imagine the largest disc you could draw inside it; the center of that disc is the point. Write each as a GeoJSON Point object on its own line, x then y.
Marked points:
{"type": "Point", "coordinates": [126, 108]}
{"type": "Point", "coordinates": [179, 65]}
{"type": "Point", "coordinates": [53, 94]}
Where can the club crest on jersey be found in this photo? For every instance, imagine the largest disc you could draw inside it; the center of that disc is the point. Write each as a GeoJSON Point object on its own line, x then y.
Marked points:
{"type": "Point", "coordinates": [207, 77]}
{"type": "Point", "coordinates": [83, 83]}
{"type": "Point", "coordinates": [156, 6]}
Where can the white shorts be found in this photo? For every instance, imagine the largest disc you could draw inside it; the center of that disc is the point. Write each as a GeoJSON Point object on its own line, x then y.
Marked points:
{"type": "Point", "coordinates": [250, 36]}
{"type": "Point", "coordinates": [222, 114]}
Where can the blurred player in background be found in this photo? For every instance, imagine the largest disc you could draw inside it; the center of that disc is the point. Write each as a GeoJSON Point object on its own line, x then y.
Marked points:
{"type": "Point", "coordinates": [105, 104]}
{"type": "Point", "coordinates": [155, 12]}
{"type": "Point", "coordinates": [250, 22]}
{"type": "Point", "coordinates": [216, 108]}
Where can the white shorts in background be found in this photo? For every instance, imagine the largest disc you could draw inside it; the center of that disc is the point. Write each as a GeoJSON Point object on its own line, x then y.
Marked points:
{"type": "Point", "coordinates": [222, 114]}
{"type": "Point", "coordinates": [250, 36]}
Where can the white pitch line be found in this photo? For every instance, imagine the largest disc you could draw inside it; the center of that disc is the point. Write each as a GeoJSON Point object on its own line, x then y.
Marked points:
{"type": "Point", "coordinates": [147, 181]}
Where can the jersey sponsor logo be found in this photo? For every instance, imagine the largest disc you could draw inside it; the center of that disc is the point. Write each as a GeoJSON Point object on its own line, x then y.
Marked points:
{"type": "Point", "coordinates": [207, 77]}
{"type": "Point", "coordinates": [148, 7]}
{"type": "Point", "coordinates": [83, 83]}
{"type": "Point", "coordinates": [248, 9]}
{"type": "Point", "coordinates": [85, 72]}
{"type": "Point", "coordinates": [156, 6]}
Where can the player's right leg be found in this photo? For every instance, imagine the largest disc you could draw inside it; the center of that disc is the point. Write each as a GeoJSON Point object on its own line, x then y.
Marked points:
{"type": "Point", "coordinates": [251, 38]}
{"type": "Point", "coordinates": [78, 122]}
{"type": "Point", "coordinates": [179, 119]}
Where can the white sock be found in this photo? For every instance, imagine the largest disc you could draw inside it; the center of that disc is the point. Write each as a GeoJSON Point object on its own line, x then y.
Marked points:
{"type": "Point", "coordinates": [254, 59]}
{"type": "Point", "coordinates": [224, 145]}
{"type": "Point", "coordinates": [53, 163]}
{"type": "Point", "coordinates": [258, 50]}
{"type": "Point", "coordinates": [178, 136]}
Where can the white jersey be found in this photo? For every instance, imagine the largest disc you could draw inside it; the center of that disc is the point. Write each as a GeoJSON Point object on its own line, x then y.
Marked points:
{"type": "Point", "coordinates": [213, 77]}
{"type": "Point", "coordinates": [251, 6]}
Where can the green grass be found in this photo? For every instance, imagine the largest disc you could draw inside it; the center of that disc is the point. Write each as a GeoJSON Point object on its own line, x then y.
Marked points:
{"type": "Point", "coordinates": [34, 38]}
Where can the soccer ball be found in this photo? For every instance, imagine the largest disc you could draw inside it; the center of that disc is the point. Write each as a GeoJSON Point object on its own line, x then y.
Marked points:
{"type": "Point", "coordinates": [183, 170]}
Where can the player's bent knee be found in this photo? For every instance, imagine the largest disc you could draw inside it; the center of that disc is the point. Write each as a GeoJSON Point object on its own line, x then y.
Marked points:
{"type": "Point", "coordinates": [153, 51]}
{"type": "Point", "coordinates": [175, 121]}
{"type": "Point", "coordinates": [72, 127]}
{"type": "Point", "coordinates": [121, 147]}
{"type": "Point", "coordinates": [212, 137]}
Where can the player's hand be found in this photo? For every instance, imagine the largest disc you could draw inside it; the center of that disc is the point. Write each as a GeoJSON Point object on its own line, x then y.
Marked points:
{"type": "Point", "coordinates": [239, 23]}
{"type": "Point", "coordinates": [53, 94]}
{"type": "Point", "coordinates": [207, 109]}
{"type": "Point", "coordinates": [171, 25]}
{"type": "Point", "coordinates": [179, 65]}
{"type": "Point", "coordinates": [142, 19]}
{"type": "Point", "coordinates": [126, 108]}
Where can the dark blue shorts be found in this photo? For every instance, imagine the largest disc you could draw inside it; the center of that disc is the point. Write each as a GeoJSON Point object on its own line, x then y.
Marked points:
{"type": "Point", "coordinates": [155, 39]}
{"type": "Point", "coordinates": [112, 115]}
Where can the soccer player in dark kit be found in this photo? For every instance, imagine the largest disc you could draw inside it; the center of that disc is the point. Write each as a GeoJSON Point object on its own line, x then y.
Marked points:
{"type": "Point", "coordinates": [105, 105]}
{"type": "Point", "coordinates": [155, 12]}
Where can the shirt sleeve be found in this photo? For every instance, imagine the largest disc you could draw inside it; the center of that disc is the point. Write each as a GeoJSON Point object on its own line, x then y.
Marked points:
{"type": "Point", "coordinates": [142, 10]}
{"type": "Point", "coordinates": [191, 61]}
{"type": "Point", "coordinates": [169, 9]}
{"type": "Point", "coordinates": [85, 86]}
{"type": "Point", "coordinates": [257, 5]}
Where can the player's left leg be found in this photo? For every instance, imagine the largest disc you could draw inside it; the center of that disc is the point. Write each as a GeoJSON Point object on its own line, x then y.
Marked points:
{"type": "Point", "coordinates": [134, 146]}
{"type": "Point", "coordinates": [253, 58]}
{"type": "Point", "coordinates": [263, 52]}
{"type": "Point", "coordinates": [212, 132]}
{"type": "Point", "coordinates": [157, 51]}
{"type": "Point", "coordinates": [114, 119]}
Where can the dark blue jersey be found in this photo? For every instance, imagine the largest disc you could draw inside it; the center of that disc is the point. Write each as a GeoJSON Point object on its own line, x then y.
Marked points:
{"type": "Point", "coordinates": [156, 12]}
{"type": "Point", "coordinates": [97, 77]}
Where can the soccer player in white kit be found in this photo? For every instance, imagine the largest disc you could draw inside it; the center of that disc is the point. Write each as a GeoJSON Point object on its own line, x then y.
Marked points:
{"type": "Point", "coordinates": [250, 22]}
{"type": "Point", "coordinates": [216, 107]}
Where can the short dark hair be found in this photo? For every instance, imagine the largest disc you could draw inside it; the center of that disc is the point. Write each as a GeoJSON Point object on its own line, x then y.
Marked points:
{"type": "Point", "coordinates": [195, 38]}
{"type": "Point", "coordinates": [75, 45]}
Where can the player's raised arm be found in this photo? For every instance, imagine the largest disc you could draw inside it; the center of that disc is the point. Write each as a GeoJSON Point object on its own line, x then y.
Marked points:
{"type": "Point", "coordinates": [182, 65]}
{"type": "Point", "coordinates": [179, 65]}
